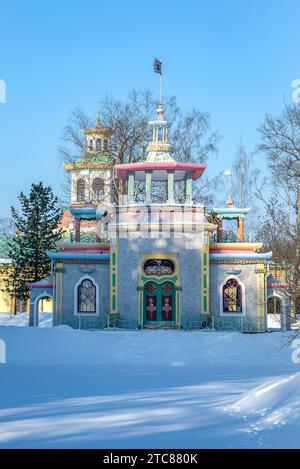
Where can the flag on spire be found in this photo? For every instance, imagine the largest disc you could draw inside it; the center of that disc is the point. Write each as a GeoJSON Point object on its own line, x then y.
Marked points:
{"type": "Point", "coordinates": [157, 66]}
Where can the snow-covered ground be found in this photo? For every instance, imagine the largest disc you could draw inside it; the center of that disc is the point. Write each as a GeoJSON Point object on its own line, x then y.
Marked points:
{"type": "Point", "coordinates": [64, 388]}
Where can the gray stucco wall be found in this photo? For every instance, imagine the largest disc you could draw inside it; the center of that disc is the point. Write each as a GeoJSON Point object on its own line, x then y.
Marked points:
{"type": "Point", "coordinates": [253, 299]}
{"type": "Point", "coordinates": [72, 273]}
{"type": "Point", "coordinates": [130, 250]}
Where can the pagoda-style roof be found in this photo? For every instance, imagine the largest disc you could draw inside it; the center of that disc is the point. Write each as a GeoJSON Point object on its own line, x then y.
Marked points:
{"type": "Point", "coordinates": [87, 212]}
{"type": "Point", "coordinates": [160, 170]}
{"type": "Point", "coordinates": [91, 161]}
{"type": "Point", "coordinates": [225, 248]}
{"type": "Point", "coordinates": [46, 282]}
{"type": "Point", "coordinates": [84, 247]}
{"type": "Point", "coordinates": [230, 256]}
{"type": "Point", "coordinates": [78, 255]}
{"type": "Point", "coordinates": [231, 212]}
{"type": "Point", "coordinates": [98, 129]}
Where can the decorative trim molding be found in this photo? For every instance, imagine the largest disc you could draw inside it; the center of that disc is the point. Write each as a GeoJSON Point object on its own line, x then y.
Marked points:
{"type": "Point", "coordinates": [233, 261]}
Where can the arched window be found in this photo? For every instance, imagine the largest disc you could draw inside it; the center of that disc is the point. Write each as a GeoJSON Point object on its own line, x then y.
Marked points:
{"type": "Point", "coordinates": [98, 189]}
{"type": "Point", "coordinates": [80, 190]}
{"type": "Point", "coordinates": [159, 267]}
{"type": "Point", "coordinates": [274, 305]}
{"type": "Point", "coordinates": [105, 144]}
{"type": "Point", "coordinates": [91, 145]}
{"type": "Point", "coordinates": [232, 297]}
{"type": "Point", "coordinates": [98, 144]}
{"type": "Point", "coordinates": [86, 297]}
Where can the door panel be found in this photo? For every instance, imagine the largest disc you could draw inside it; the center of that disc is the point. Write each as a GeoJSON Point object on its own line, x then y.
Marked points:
{"type": "Point", "coordinates": [159, 303]}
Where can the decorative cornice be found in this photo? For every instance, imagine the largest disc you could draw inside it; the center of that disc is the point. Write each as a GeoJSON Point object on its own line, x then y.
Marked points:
{"type": "Point", "coordinates": [159, 146]}
{"type": "Point", "coordinates": [233, 261]}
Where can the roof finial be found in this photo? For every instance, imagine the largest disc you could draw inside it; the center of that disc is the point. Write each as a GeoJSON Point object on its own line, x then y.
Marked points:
{"type": "Point", "coordinates": [98, 118]}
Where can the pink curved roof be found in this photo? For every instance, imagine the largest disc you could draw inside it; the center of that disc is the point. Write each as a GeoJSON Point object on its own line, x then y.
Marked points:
{"type": "Point", "coordinates": [196, 169]}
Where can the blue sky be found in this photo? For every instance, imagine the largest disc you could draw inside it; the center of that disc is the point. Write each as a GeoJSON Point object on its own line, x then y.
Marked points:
{"type": "Point", "coordinates": [235, 59]}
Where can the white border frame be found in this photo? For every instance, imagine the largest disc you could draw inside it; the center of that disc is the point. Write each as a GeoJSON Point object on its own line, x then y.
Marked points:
{"type": "Point", "coordinates": [75, 293]}
{"type": "Point", "coordinates": [45, 294]}
{"type": "Point", "coordinates": [222, 313]}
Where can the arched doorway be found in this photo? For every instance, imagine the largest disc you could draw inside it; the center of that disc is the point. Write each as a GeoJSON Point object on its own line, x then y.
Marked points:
{"type": "Point", "coordinates": [274, 312]}
{"type": "Point", "coordinates": [43, 310]}
{"type": "Point", "coordinates": [159, 304]}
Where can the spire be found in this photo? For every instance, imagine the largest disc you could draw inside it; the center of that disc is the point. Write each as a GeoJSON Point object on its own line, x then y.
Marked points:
{"type": "Point", "coordinates": [98, 123]}
{"type": "Point", "coordinates": [158, 149]}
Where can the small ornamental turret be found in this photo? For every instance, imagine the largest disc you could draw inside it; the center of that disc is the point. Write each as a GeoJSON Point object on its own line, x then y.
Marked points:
{"type": "Point", "coordinates": [159, 150]}
{"type": "Point", "coordinates": [91, 175]}
{"type": "Point", "coordinates": [98, 138]}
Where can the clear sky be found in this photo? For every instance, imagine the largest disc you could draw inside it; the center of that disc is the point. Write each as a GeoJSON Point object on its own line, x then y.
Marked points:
{"type": "Point", "coordinates": [235, 59]}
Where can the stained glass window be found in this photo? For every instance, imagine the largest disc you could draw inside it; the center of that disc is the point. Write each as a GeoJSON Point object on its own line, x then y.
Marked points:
{"type": "Point", "coordinates": [86, 297]}
{"type": "Point", "coordinates": [80, 190]}
{"type": "Point", "coordinates": [151, 288]}
{"type": "Point", "coordinates": [159, 267]}
{"type": "Point", "coordinates": [232, 296]}
{"type": "Point", "coordinates": [166, 288]}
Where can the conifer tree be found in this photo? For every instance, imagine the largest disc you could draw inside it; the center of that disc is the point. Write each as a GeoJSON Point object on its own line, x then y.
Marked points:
{"type": "Point", "coordinates": [37, 231]}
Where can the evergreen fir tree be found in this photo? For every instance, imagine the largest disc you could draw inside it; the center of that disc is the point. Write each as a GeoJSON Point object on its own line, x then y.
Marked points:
{"type": "Point", "coordinates": [37, 231]}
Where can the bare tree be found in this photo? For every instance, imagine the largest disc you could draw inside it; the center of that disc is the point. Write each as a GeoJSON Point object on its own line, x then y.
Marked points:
{"type": "Point", "coordinates": [280, 225]}
{"type": "Point", "coordinates": [6, 227]}
{"type": "Point", "coordinates": [242, 177]}
{"type": "Point", "coordinates": [190, 133]}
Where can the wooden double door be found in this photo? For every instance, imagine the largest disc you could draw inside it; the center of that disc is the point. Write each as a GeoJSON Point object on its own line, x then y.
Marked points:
{"type": "Point", "coordinates": [159, 303]}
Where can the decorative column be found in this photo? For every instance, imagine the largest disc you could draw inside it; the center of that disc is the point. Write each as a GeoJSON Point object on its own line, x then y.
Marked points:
{"type": "Point", "coordinates": [170, 186]}
{"type": "Point", "coordinates": [77, 230]}
{"type": "Point", "coordinates": [188, 188]}
{"type": "Point", "coordinates": [131, 188]}
{"type": "Point", "coordinates": [220, 231]}
{"type": "Point", "coordinates": [240, 229]}
{"type": "Point", "coordinates": [205, 274]}
{"type": "Point", "coordinates": [148, 187]}
{"type": "Point", "coordinates": [113, 277]}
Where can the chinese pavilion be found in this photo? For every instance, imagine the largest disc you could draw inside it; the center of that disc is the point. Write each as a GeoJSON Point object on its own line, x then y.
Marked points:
{"type": "Point", "coordinates": [155, 261]}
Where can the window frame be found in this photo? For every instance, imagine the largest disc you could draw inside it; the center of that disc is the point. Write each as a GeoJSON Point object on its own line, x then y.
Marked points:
{"type": "Point", "coordinates": [95, 195]}
{"type": "Point", "coordinates": [77, 183]}
{"type": "Point", "coordinates": [243, 298]}
{"type": "Point", "coordinates": [76, 297]}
